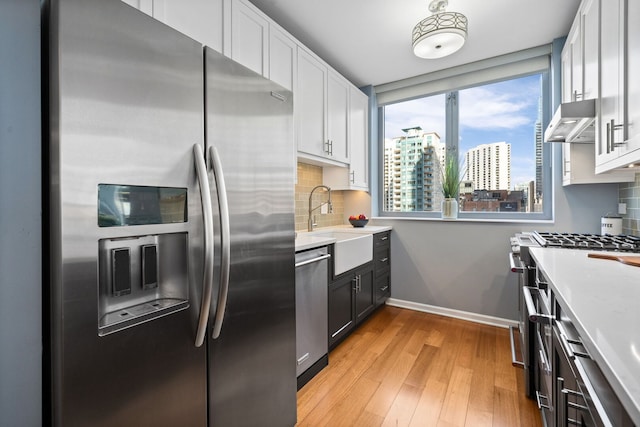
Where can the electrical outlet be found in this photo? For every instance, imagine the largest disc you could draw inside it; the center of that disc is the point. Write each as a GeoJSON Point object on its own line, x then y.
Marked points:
{"type": "Point", "coordinates": [622, 208]}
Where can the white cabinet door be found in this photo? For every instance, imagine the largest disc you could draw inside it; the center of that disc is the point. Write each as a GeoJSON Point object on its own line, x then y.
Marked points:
{"type": "Point", "coordinates": [337, 116]}
{"type": "Point", "coordinates": [611, 83]}
{"type": "Point", "coordinates": [356, 176]}
{"type": "Point", "coordinates": [359, 139]}
{"type": "Point", "coordinates": [249, 37]}
{"type": "Point", "coordinates": [575, 48]}
{"type": "Point", "coordinates": [282, 57]}
{"type": "Point", "coordinates": [590, 26]}
{"type": "Point", "coordinates": [566, 74]}
{"type": "Point", "coordinates": [633, 83]}
{"type": "Point", "coordinates": [144, 5]}
{"type": "Point", "coordinates": [199, 19]}
{"type": "Point", "coordinates": [309, 105]}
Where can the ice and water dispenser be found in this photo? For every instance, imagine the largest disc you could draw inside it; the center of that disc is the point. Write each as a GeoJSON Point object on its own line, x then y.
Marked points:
{"type": "Point", "coordinates": [141, 276]}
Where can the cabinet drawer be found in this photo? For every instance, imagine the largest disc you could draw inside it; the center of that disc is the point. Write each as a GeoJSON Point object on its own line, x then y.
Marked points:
{"type": "Point", "coordinates": [381, 239]}
{"type": "Point", "coordinates": [382, 259]}
{"type": "Point", "coordinates": [383, 288]}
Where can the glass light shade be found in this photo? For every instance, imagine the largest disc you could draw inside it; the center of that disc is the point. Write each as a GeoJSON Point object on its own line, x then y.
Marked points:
{"type": "Point", "coordinates": [439, 35]}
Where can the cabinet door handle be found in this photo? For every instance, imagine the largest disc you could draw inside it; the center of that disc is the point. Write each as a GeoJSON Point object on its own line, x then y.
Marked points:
{"type": "Point", "coordinates": [384, 237]}
{"type": "Point", "coordinates": [609, 137]}
{"type": "Point", "coordinates": [353, 177]}
{"type": "Point", "coordinates": [384, 259]}
{"type": "Point", "coordinates": [384, 288]}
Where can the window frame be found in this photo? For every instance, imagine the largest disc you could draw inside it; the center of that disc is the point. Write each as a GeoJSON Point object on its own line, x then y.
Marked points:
{"type": "Point", "coordinates": [452, 126]}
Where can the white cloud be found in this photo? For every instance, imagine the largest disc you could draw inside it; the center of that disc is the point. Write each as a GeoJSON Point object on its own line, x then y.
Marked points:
{"type": "Point", "coordinates": [483, 108]}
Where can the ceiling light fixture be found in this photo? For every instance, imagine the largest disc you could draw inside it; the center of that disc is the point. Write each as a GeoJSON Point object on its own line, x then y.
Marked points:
{"type": "Point", "coordinates": [440, 34]}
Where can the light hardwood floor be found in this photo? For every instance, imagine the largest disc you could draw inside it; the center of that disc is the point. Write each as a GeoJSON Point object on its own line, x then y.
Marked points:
{"type": "Point", "coordinates": [406, 368]}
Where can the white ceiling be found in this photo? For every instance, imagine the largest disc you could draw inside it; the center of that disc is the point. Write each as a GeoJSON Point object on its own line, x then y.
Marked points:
{"type": "Point", "coordinates": [369, 41]}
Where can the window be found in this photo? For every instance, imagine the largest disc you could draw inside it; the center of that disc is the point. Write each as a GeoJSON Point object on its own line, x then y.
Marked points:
{"type": "Point", "coordinates": [494, 130]}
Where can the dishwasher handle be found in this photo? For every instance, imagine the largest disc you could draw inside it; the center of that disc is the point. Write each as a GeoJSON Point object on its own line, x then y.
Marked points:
{"type": "Point", "coordinates": [312, 260]}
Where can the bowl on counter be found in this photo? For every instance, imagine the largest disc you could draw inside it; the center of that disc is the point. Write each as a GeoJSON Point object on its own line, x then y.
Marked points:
{"type": "Point", "coordinates": [358, 222]}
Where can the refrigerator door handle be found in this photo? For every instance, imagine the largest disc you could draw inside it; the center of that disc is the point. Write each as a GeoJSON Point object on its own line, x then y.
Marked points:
{"type": "Point", "coordinates": [207, 280]}
{"type": "Point", "coordinates": [225, 233]}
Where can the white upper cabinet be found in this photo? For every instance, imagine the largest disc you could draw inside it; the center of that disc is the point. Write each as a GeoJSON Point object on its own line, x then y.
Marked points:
{"type": "Point", "coordinates": [248, 41]}
{"type": "Point", "coordinates": [309, 106]}
{"type": "Point", "coordinates": [633, 82]}
{"type": "Point", "coordinates": [356, 176]}
{"type": "Point", "coordinates": [337, 116]}
{"type": "Point", "coordinates": [580, 81]}
{"type": "Point", "coordinates": [282, 58]}
{"type": "Point", "coordinates": [199, 19]}
{"type": "Point", "coordinates": [359, 139]}
{"type": "Point", "coordinates": [618, 126]}
{"type": "Point", "coordinates": [144, 5]}
{"type": "Point", "coordinates": [590, 41]}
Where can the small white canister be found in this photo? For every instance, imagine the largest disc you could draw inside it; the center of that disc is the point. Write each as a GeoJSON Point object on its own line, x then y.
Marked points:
{"type": "Point", "coordinates": [611, 224]}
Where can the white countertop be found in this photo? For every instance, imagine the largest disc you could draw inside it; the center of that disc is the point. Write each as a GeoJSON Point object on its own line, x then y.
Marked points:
{"type": "Point", "coordinates": [308, 240]}
{"type": "Point", "coordinates": [602, 298]}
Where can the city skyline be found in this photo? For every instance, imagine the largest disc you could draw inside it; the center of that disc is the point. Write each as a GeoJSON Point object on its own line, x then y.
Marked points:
{"type": "Point", "coordinates": [504, 111]}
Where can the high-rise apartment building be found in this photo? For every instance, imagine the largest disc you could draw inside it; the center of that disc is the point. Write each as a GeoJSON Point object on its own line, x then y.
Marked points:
{"type": "Point", "coordinates": [489, 166]}
{"type": "Point", "coordinates": [412, 171]}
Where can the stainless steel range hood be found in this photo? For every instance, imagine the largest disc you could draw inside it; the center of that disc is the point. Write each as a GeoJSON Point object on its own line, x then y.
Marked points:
{"type": "Point", "coordinates": [573, 122]}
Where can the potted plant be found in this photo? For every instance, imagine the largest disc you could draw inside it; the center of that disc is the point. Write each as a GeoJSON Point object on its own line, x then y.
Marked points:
{"type": "Point", "coordinates": [451, 179]}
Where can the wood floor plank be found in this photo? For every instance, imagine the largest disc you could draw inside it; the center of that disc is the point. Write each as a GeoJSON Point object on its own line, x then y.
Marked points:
{"type": "Point", "coordinates": [430, 404]}
{"type": "Point", "coordinates": [457, 396]}
{"type": "Point", "coordinates": [403, 407]}
{"type": "Point", "coordinates": [347, 412]}
{"type": "Point", "coordinates": [403, 367]}
{"type": "Point", "coordinates": [480, 408]}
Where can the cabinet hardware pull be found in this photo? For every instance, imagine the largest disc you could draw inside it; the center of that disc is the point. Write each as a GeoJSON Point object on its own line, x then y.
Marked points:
{"type": "Point", "coordinates": [608, 137]}
{"type": "Point", "coordinates": [385, 259]}
{"type": "Point", "coordinates": [539, 397]}
{"type": "Point", "coordinates": [384, 288]}
{"type": "Point", "coordinates": [384, 238]}
{"type": "Point", "coordinates": [353, 177]}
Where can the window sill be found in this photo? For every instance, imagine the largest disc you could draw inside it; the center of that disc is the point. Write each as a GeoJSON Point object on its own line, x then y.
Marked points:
{"type": "Point", "coordinates": [466, 219]}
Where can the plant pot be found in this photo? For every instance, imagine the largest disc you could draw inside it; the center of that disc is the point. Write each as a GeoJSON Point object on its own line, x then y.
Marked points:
{"type": "Point", "coordinates": [449, 208]}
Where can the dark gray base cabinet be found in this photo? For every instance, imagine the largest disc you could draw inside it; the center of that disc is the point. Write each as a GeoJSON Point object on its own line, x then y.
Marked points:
{"type": "Point", "coordinates": [351, 300]}
{"type": "Point", "coordinates": [354, 295]}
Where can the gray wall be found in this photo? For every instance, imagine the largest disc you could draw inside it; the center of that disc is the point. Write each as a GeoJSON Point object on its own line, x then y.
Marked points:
{"type": "Point", "coordinates": [20, 215]}
{"type": "Point", "coordinates": [464, 265]}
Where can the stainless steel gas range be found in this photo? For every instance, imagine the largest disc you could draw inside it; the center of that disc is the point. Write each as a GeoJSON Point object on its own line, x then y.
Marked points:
{"type": "Point", "coordinates": [538, 312]}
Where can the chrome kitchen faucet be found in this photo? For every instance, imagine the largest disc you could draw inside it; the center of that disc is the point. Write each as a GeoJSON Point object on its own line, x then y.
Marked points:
{"type": "Point", "coordinates": [328, 202]}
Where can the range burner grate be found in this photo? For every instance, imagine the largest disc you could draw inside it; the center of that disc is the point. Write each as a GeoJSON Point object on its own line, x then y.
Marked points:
{"type": "Point", "coordinates": [622, 242]}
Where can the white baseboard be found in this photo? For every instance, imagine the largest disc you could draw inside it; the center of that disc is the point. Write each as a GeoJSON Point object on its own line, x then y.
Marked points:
{"type": "Point", "coordinates": [449, 312]}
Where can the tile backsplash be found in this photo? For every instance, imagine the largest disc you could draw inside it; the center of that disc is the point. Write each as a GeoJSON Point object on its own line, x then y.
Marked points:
{"type": "Point", "coordinates": [629, 193]}
{"type": "Point", "coordinates": [308, 177]}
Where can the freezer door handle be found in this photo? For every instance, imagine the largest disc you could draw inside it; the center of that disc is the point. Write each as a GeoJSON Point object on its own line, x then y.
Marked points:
{"type": "Point", "coordinates": [207, 280]}
{"type": "Point", "coordinates": [225, 233]}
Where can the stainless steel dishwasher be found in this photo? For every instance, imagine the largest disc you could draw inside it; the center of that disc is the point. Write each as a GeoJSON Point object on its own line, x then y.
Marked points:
{"type": "Point", "coordinates": [312, 281]}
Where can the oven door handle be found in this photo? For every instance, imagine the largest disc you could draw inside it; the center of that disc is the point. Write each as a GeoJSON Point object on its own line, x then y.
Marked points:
{"type": "Point", "coordinates": [516, 266]}
{"type": "Point", "coordinates": [532, 313]}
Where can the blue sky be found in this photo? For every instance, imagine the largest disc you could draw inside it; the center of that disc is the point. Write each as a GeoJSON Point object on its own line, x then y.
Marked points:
{"type": "Point", "coordinates": [504, 111]}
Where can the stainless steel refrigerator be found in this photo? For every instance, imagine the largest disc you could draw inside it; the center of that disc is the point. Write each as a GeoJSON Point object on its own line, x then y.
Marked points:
{"type": "Point", "coordinates": [171, 228]}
